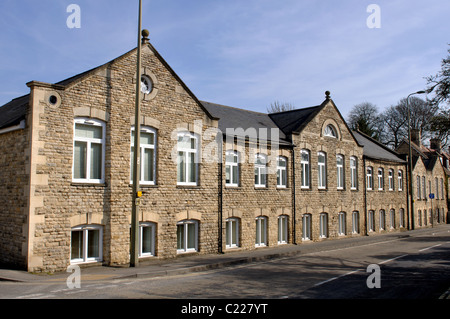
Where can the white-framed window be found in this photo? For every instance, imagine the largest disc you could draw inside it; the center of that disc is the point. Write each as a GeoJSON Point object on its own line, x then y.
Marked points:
{"type": "Point", "coordinates": [369, 178]}
{"type": "Point", "coordinates": [380, 179]}
{"type": "Point", "coordinates": [147, 236]}
{"type": "Point", "coordinates": [88, 151]}
{"type": "Point", "coordinates": [437, 187]}
{"type": "Point", "coordinates": [261, 170]}
{"type": "Point", "coordinates": [147, 155]}
{"type": "Point", "coordinates": [391, 179]}
{"type": "Point", "coordinates": [392, 218]}
{"type": "Point", "coordinates": [419, 196]}
{"type": "Point", "coordinates": [323, 225]}
{"type": "Point", "coordinates": [187, 161]}
{"type": "Point", "coordinates": [187, 236]}
{"type": "Point", "coordinates": [305, 163]}
{"type": "Point", "coordinates": [340, 171]}
{"type": "Point", "coordinates": [424, 188]}
{"type": "Point", "coordinates": [382, 219]}
{"type": "Point", "coordinates": [282, 229]}
{"type": "Point", "coordinates": [419, 217]}
{"type": "Point", "coordinates": [400, 180]}
{"type": "Point", "coordinates": [232, 232]}
{"type": "Point", "coordinates": [281, 172]}
{"type": "Point", "coordinates": [86, 244]}
{"type": "Point", "coordinates": [353, 173]}
{"type": "Point", "coordinates": [355, 222]}
{"type": "Point", "coordinates": [371, 221]}
{"type": "Point", "coordinates": [232, 168]}
{"type": "Point", "coordinates": [306, 227]}
{"type": "Point", "coordinates": [342, 223]}
{"type": "Point", "coordinates": [402, 217]}
{"type": "Point", "coordinates": [322, 170]}
{"type": "Point", "coordinates": [261, 231]}
{"type": "Point", "coordinates": [330, 131]}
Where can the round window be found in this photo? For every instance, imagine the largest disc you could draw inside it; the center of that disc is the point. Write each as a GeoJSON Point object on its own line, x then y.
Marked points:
{"type": "Point", "coordinates": [146, 84]}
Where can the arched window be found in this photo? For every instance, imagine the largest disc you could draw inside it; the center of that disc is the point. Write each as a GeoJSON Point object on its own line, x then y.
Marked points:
{"type": "Point", "coordinates": [282, 172]}
{"type": "Point", "coordinates": [86, 244]}
{"type": "Point", "coordinates": [187, 161]}
{"type": "Point", "coordinates": [261, 170]}
{"type": "Point", "coordinates": [147, 154]}
{"type": "Point", "coordinates": [232, 232]}
{"type": "Point", "coordinates": [330, 131]}
{"type": "Point", "coordinates": [232, 168]}
{"type": "Point", "coordinates": [261, 231]}
{"type": "Point", "coordinates": [88, 151]}
{"type": "Point", "coordinates": [187, 236]}
{"type": "Point", "coordinates": [323, 223]}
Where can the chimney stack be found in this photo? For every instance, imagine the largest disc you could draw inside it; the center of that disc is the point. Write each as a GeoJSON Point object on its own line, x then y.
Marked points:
{"type": "Point", "coordinates": [415, 136]}
{"type": "Point", "coordinates": [435, 144]}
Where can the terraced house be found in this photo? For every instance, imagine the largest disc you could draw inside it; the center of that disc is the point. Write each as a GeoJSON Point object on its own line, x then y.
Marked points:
{"type": "Point", "coordinates": [214, 178]}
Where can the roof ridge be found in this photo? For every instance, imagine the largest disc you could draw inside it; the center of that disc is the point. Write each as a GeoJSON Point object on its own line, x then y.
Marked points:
{"type": "Point", "coordinates": [233, 107]}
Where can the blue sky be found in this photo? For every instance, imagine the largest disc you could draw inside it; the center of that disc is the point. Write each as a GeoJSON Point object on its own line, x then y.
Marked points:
{"type": "Point", "coordinates": [242, 53]}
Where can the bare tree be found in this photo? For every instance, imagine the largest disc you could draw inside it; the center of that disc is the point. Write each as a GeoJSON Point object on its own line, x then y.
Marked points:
{"type": "Point", "coordinates": [276, 107]}
{"type": "Point", "coordinates": [365, 118]}
{"type": "Point", "coordinates": [395, 126]}
{"type": "Point", "coordinates": [395, 121]}
{"type": "Point", "coordinates": [440, 127]}
{"type": "Point", "coordinates": [440, 83]}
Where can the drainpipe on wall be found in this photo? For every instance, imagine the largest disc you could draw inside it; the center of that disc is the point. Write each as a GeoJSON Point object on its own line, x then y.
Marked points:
{"type": "Point", "coordinates": [219, 140]}
{"type": "Point", "coordinates": [294, 221]}
{"type": "Point", "coordinates": [365, 196]}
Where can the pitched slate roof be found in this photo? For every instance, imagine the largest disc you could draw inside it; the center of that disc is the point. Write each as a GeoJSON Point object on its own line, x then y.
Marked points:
{"type": "Point", "coordinates": [234, 118]}
{"type": "Point", "coordinates": [375, 150]}
{"type": "Point", "coordinates": [14, 112]}
{"type": "Point", "coordinates": [295, 120]}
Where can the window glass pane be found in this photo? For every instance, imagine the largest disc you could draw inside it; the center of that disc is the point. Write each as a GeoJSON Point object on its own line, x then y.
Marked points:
{"type": "Point", "coordinates": [181, 174]}
{"type": "Point", "coordinates": [96, 161]}
{"type": "Point", "coordinates": [321, 158]}
{"type": "Point", "coordinates": [191, 236]}
{"type": "Point", "coordinates": [263, 176]}
{"type": "Point", "coordinates": [258, 232]}
{"type": "Point", "coordinates": [234, 237]}
{"type": "Point", "coordinates": [93, 243]}
{"type": "Point", "coordinates": [147, 239]}
{"type": "Point", "coordinates": [77, 244]}
{"type": "Point", "coordinates": [284, 178]}
{"type": "Point", "coordinates": [79, 165]}
{"type": "Point", "coordinates": [256, 176]}
{"type": "Point", "coordinates": [305, 157]}
{"type": "Point", "coordinates": [229, 233]}
{"type": "Point", "coordinates": [235, 174]}
{"type": "Point", "coordinates": [88, 131]}
{"type": "Point", "coordinates": [192, 168]}
{"type": "Point", "coordinates": [180, 236]}
{"type": "Point", "coordinates": [227, 174]}
{"type": "Point", "coordinates": [148, 164]}
{"type": "Point", "coordinates": [147, 138]}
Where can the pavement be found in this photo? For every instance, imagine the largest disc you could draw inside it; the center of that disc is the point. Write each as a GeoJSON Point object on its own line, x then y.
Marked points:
{"type": "Point", "coordinates": [198, 263]}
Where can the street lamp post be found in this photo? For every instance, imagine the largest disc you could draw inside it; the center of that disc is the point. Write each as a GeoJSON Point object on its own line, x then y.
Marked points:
{"type": "Point", "coordinates": [134, 238]}
{"type": "Point", "coordinates": [411, 193]}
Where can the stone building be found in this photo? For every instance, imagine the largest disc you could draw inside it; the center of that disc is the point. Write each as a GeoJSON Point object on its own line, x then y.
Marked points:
{"type": "Point", "coordinates": [430, 181]}
{"type": "Point", "coordinates": [214, 178]}
{"type": "Point", "coordinates": [385, 187]}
